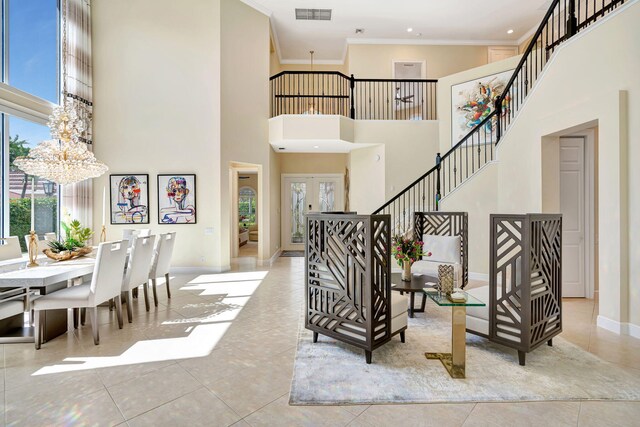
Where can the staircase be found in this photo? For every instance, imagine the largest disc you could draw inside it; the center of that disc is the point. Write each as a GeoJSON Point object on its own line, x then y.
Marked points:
{"type": "Point", "coordinates": [563, 20]}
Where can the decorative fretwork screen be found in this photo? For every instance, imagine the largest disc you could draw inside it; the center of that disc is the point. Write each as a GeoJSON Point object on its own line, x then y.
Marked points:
{"type": "Point", "coordinates": [446, 224]}
{"type": "Point", "coordinates": [348, 282]}
{"type": "Point", "coordinates": [525, 282]}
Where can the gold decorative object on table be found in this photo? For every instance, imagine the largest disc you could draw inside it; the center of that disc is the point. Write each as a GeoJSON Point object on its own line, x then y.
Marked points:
{"type": "Point", "coordinates": [66, 255]}
{"type": "Point", "coordinates": [33, 249]}
{"type": "Point", "coordinates": [445, 277]}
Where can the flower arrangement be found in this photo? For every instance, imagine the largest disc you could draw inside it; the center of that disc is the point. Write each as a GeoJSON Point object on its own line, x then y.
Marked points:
{"type": "Point", "coordinates": [406, 251]}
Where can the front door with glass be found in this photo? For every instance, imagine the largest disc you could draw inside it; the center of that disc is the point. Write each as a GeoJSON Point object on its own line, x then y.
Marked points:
{"type": "Point", "coordinates": [307, 193]}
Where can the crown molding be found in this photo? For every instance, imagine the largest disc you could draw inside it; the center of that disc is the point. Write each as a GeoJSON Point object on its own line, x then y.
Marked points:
{"type": "Point", "coordinates": [442, 42]}
{"type": "Point", "coordinates": [315, 61]}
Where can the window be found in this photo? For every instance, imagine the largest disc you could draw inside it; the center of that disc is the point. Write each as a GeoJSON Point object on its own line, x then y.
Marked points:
{"type": "Point", "coordinates": [33, 47]}
{"type": "Point", "coordinates": [247, 206]}
{"type": "Point", "coordinates": [30, 63]}
{"type": "Point", "coordinates": [24, 135]}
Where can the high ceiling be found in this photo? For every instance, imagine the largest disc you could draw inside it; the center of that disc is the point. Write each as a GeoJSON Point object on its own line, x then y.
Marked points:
{"type": "Point", "coordinates": [387, 21]}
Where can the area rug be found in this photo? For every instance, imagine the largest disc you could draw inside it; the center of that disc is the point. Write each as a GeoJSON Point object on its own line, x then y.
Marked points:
{"type": "Point", "coordinates": [332, 373]}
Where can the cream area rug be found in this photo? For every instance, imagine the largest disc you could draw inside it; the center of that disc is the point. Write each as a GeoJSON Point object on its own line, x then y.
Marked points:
{"type": "Point", "coordinates": [332, 373]}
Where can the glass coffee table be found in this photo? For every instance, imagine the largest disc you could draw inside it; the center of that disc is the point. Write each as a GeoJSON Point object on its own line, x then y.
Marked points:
{"type": "Point", "coordinates": [454, 362]}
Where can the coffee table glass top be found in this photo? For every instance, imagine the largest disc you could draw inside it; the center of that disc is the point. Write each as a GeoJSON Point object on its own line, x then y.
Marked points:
{"type": "Point", "coordinates": [443, 301]}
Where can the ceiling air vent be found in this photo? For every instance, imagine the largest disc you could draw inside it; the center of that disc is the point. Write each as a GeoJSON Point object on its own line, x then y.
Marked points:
{"type": "Point", "coordinates": [313, 14]}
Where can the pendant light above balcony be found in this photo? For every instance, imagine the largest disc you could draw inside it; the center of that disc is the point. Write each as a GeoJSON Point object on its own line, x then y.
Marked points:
{"type": "Point", "coordinates": [312, 107]}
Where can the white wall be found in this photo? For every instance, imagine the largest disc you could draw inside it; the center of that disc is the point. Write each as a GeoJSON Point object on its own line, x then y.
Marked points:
{"type": "Point", "coordinates": [409, 151]}
{"type": "Point", "coordinates": [566, 98]}
{"type": "Point", "coordinates": [157, 107]}
{"type": "Point", "coordinates": [244, 73]}
{"type": "Point", "coordinates": [185, 89]}
{"type": "Point", "coordinates": [367, 179]}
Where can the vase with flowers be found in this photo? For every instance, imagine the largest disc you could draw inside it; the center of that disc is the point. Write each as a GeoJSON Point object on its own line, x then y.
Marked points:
{"type": "Point", "coordinates": [406, 251]}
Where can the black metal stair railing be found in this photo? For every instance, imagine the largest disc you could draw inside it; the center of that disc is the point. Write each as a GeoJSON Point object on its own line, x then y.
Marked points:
{"type": "Point", "coordinates": [331, 92]}
{"type": "Point", "coordinates": [564, 19]}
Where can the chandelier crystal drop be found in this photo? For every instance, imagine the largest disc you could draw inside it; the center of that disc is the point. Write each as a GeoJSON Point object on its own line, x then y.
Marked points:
{"type": "Point", "coordinates": [66, 158]}
{"type": "Point", "coordinates": [65, 123]}
{"type": "Point", "coordinates": [63, 162]}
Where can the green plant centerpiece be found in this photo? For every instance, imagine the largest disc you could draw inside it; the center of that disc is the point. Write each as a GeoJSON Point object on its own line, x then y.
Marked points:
{"type": "Point", "coordinates": [406, 251]}
{"type": "Point", "coordinates": [74, 244]}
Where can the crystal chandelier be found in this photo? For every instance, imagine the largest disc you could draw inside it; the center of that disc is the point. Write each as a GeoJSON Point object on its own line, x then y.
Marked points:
{"type": "Point", "coordinates": [64, 159]}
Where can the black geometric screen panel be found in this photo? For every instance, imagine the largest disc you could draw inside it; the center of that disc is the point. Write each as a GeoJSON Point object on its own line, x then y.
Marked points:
{"type": "Point", "coordinates": [525, 283]}
{"type": "Point", "coordinates": [348, 281]}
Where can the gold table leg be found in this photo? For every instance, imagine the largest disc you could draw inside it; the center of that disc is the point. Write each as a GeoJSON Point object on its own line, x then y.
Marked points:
{"type": "Point", "coordinates": [454, 362]}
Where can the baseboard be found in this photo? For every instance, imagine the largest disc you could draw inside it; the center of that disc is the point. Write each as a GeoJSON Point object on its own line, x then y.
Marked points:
{"type": "Point", "coordinates": [479, 276]}
{"type": "Point", "coordinates": [270, 261]}
{"type": "Point", "coordinates": [620, 328]}
{"type": "Point", "coordinates": [199, 270]}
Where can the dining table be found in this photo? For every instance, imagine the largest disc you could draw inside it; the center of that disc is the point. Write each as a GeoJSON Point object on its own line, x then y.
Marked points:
{"type": "Point", "coordinates": [48, 276]}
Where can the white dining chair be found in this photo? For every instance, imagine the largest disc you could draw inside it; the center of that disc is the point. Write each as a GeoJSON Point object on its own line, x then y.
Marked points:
{"type": "Point", "coordinates": [138, 271]}
{"type": "Point", "coordinates": [43, 239]}
{"type": "Point", "coordinates": [10, 248]}
{"type": "Point", "coordinates": [106, 283]}
{"type": "Point", "coordinates": [130, 233]}
{"type": "Point", "coordinates": [162, 262]}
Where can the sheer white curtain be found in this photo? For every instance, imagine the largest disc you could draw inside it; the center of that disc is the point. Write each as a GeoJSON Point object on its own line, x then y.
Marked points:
{"type": "Point", "coordinates": [77, 199]}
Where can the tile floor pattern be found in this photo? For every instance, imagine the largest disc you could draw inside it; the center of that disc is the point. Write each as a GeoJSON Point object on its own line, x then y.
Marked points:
{"type": "Point", "coordinates": [221, 353]}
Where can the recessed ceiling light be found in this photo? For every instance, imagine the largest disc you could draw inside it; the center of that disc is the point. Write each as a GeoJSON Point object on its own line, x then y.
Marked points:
{"type": "Point", "coordinates": [418, 34]}
{"type": "Point", "coordinates": [510, 32]}
{"type": "Point", "coordinates": [409, 29]}
{"type": "Point", "coordinates": [316, 146]}
{"type": "Point", "coordinates": [359, 30]}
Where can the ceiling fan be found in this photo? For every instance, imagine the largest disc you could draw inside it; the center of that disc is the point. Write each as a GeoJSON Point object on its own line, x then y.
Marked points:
{"type": "Point", "coordinates": [404, 99]}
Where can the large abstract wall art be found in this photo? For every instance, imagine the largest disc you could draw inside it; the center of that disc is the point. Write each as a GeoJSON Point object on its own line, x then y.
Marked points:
{"type": "Point", "coordinates": [177, 199]}
{"type": "Point", "coordinates": [129, 199]}
{"type": "Point", "coordinates": [472, 102]}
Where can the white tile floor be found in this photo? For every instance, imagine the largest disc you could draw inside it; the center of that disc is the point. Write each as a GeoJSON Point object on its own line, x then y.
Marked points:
{"type": "Point", "coordinates": [221, 353]}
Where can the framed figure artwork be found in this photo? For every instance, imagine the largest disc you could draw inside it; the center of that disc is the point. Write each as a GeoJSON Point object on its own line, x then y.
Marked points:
{"type": "Point", "coordinates": [177, 199]}
{"type": "Point", "coordinates": [473, 101]}
{"type": "Point", "coordinates": [129, 198]}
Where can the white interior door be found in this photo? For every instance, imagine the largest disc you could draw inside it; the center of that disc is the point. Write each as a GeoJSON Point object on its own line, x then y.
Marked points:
{"type": "Point", "coordinates": [572, 207]}
{"type": "Point", "coordinates": [307, 193]}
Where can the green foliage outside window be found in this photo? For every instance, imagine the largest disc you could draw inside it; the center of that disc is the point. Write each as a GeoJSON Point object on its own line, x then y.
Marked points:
{"type": "Point", "coordinates": [20, 217]}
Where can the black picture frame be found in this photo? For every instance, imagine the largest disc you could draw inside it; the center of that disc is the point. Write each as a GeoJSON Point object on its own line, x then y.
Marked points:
{"type": "Point", "coordinates": [180, 217]}
{"type": "Point", "coordinates": [130, 218]}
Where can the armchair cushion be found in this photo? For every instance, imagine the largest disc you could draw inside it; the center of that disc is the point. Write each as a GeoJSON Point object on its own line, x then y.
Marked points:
{"type": "Point", "coordinates": [399, 305]}
{"type": "Point", "coordinates": [444, 249]}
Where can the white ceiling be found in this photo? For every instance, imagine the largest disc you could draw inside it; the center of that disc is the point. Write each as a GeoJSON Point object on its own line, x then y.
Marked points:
{"type": "Point", "coordinates": [386, 21]}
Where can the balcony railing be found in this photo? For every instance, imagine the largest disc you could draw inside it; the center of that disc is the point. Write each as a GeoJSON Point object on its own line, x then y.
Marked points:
{"type": "Point", "coordinates": [331, 92]}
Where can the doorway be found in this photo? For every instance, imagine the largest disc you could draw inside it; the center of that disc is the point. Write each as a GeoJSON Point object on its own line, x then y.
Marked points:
{"type": "Point", "coordinates": [307, 193]}
{"type": "Point", "coordinates": [246, 219]}
{"type": "Point", "coordinates": [577, 205]}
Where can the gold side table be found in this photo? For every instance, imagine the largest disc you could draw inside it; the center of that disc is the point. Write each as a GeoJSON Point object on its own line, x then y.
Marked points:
{"type": "Point", "coordinates": [455, 361]}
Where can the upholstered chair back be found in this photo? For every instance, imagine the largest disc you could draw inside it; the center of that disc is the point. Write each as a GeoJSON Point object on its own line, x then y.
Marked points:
{"type": "Point", "coordinates": [107, 273]}
{"type": "Point", "coordinates": [10, 248]}
{"type": "Point", "coordinates": [139, 262]}
{"type": "Point", "coordinates": [163, 254]}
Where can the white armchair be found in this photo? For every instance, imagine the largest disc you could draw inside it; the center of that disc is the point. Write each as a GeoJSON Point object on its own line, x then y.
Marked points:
{"type": "Point", "coordinates": [138, 270]}
{"type": "Point", "coordinates": [444, 250]}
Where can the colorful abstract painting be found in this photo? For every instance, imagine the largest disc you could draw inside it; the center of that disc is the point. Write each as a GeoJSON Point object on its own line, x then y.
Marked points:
{"type": "Point", "coordinates": [177, 199]}
{"type": "Point", "coordinates": [129, 198]}
{"type": "Point", "coordinates": [472, 102]}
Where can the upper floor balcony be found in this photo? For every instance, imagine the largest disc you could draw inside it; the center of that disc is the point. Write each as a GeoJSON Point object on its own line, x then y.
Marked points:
{"type": "Point", "coordinates": [334, 93]}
